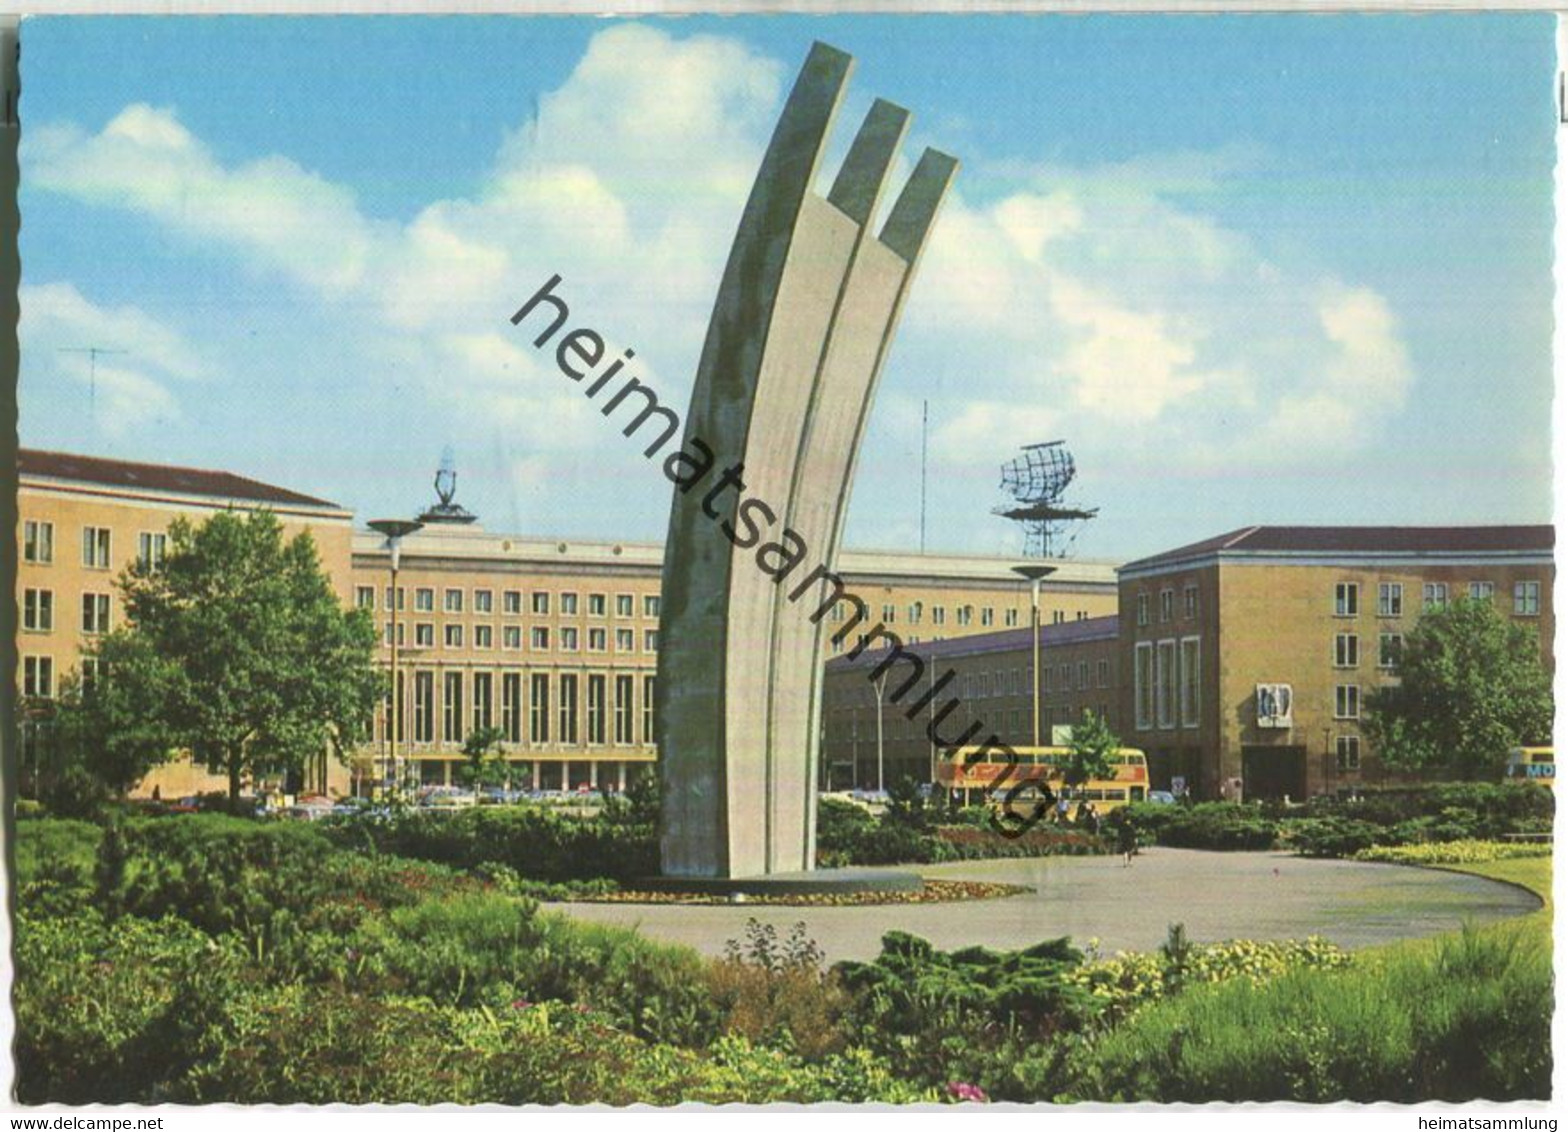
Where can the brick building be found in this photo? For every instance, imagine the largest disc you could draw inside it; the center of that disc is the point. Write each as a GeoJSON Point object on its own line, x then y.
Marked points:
{"type": "Point", "coordinates": [1251, 654]}
{"type": "Point", "coordinates": [987, 677]}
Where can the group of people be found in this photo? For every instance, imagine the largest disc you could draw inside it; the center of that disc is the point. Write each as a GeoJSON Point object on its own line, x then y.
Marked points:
{"type": "Point", "coordinates": [1088, 818]}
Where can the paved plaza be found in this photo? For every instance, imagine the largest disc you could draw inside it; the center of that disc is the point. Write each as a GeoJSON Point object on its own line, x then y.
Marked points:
{"type": "Point", "coordinates": [1217, 895]}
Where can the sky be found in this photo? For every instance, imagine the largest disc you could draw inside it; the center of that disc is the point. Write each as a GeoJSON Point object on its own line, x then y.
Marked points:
{"type": "Point", "coordinates": [1253, 269]}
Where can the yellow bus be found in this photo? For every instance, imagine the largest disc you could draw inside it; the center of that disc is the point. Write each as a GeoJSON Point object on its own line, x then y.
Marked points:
{"type": "Point", "coordinates": [1535, 764]}
{"type": "Point", "coordinates": [986, 769]}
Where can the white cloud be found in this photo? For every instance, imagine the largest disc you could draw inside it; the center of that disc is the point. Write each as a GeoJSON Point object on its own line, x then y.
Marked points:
{"type": "Point", "coordinates": [145, 160]}
{"type": "Point", "coordinates": [129, 384]}
{"type": "Point", "coordinates": [1084, 303]}
{"type": "Point", "coordinates": [1091, 307]}
{"type": "Point", "coordinates": [1373, 363]}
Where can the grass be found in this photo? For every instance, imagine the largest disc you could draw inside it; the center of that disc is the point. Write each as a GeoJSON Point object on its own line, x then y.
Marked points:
{"type": "Point", "coordinates": [1455, 1017]}
{"type": "Point", "coordinates": [1534, 874]}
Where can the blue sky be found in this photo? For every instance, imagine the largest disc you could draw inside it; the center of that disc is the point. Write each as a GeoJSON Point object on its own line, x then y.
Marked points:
{"type": "Point", "coordinates": [1253, 269]}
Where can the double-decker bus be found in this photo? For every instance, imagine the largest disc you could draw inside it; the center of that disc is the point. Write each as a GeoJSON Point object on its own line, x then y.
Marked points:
{"type": "Point", "coordinates": [1533, 764]}
{"type": "Point", "coordinates": [986, 769]}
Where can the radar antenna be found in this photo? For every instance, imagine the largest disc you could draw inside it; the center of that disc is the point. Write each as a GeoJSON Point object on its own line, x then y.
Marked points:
{"type": "Point", "coordinates": [1037, 479]}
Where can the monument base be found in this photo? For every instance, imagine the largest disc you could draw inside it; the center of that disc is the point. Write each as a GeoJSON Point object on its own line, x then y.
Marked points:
{"type": "Point", "coordinates": [816, 882]}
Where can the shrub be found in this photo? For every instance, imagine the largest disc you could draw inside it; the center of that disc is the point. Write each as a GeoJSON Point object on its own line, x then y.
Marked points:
{"type": "Point", "coordinates": [273, 884]}
{"type": "Point", "coordinates": [451, 951]}
{"type": "Point", "coordinates": [110, 1013]}
{"type": "Point", "coordinates": [1336, 837]}
{"type": "Point", "coordinates": [1131, 980]}
{"type": "Point", "coordinates": [849, 835]}
{"type": "Point", "coordinates": [1449, 811]}
{"type": "Point", "coordinates": [777, 994]}
{"type": "Point", "coordinates": [298, 1045]}
{"type": "Point", "coordinates": [966, 1015]}
{"type": "Point", "coordinates": [504, 879]}
{"type": "Point", "coordinates": [485, 949]}
{"type": "Point", "coordinates": [1469, 1020]}
{"type": "Point", "coordinates": [653, 990]}
{"type": "Point", "coordinates": [1207, 825]}
{"type": "Point", "coordinates": [1454, 852]}
{"type": "Point", "coordinates": [535, 842]}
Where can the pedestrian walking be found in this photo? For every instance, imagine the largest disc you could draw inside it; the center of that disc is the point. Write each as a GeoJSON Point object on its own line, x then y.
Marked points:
{"type": "Point", "coordinates": [1127, 840]}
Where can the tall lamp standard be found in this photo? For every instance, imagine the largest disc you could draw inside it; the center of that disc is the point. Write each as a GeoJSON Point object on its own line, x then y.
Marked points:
{"type": "Point", "coordinates": [1034, 571]}
{"type": "Point", "coordinates": [395, 530]}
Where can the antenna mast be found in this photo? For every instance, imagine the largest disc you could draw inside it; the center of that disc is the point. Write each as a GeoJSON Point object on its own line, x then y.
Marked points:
{"type": "Point", "coordinates": [925, 407]}
{"type": "Point", "coordinates": [92, 353]}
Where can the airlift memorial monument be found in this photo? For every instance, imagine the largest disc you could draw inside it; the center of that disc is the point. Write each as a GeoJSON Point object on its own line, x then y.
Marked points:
{"type": "Point", "coordinates": [805, 315]}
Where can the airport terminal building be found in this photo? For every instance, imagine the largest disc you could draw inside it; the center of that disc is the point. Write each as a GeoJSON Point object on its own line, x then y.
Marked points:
{"type": "Point", "coordinates": [554, 641]}
{"type": "Point", "coordinates": [1240, 663]}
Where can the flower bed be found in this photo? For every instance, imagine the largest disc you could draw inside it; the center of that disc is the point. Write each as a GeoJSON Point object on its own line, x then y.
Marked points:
{"type": "Point", "coordinates": [931, 892]}
{"type": "Point", "coordinates": [1468, 852]}
{"type": "Point", "coordinates": [1132, 979]}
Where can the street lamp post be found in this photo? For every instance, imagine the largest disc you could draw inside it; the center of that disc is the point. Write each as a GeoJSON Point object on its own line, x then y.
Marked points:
{"type": "Point", "coordinates": [1330, 769]}
{"type": "Point", "coordinates": [1034, 571]}
{"type": "Point", "coordinates": [880, 684]}
{"type": "Point", "coordinates": [395, 530]}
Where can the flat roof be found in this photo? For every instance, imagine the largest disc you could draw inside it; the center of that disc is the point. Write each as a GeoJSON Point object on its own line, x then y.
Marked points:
{"type": "Point", "coordinates": [978, 644]}
{"type": "Point", "coordinates": [103, 472]}
{"type": "Point", "coordinates": [1359, 542]}
{"type": "Point", "coordinates": [474, 542]}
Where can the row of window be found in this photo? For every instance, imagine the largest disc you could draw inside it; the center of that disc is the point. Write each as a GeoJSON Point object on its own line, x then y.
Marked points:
{"type": "Point", "coordinates": [1434, 595]}
{"type": "Point", "coordinates": [596, 708]}
{"type": "Point", "coordinates": [483, 637]}
{"type": "Point", "coordinates": [453, 601]}
{"type": "Point", "coordinates": [38, 611]}
{"type": "Point", "coordinates": [97, 545]}
{"type": "Point", "coordinates": [38, 675]}
{"type": "Point", "coordinates": [1166, 683]}
{"type": "Point", "coordinates": [1347, 649]}
{"type": "Point", "coordinates": [963, 615]}
{"type": "Point", "coordinates": [1189, 605]}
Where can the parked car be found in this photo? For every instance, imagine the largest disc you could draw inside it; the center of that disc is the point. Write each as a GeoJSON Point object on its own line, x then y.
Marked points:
{"type": "Point", "coordinates": [1162, 797]}
{"type": "Point", "coordinates": [500, 796]}
{"type": "Point", "coordinates": [312, 808]}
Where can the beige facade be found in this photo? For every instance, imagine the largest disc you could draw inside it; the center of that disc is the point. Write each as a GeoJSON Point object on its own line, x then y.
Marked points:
{"type": "Point", "coordinates": [1315, 614]}
{"type": "Point", "coordinates": [555, 642]}
{"type": "Point", "coordinates": [83, 521]}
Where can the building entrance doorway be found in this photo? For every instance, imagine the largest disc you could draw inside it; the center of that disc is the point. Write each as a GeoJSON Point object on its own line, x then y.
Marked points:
{"type": "Point", "coordinates": [1270, 773]}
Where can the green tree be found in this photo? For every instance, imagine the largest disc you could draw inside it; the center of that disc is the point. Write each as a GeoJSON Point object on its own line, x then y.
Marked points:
{"type": "Point", "coordinates": [103, 736]}
{"type": "Point", "coordinates": [1090, 750]}
{"type": "Point", "coordinates": [238, 649]}
{"type": "Point", "coordinates": [1471, 685]}
{"type": "Point", "coordinates": [486, 764]}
